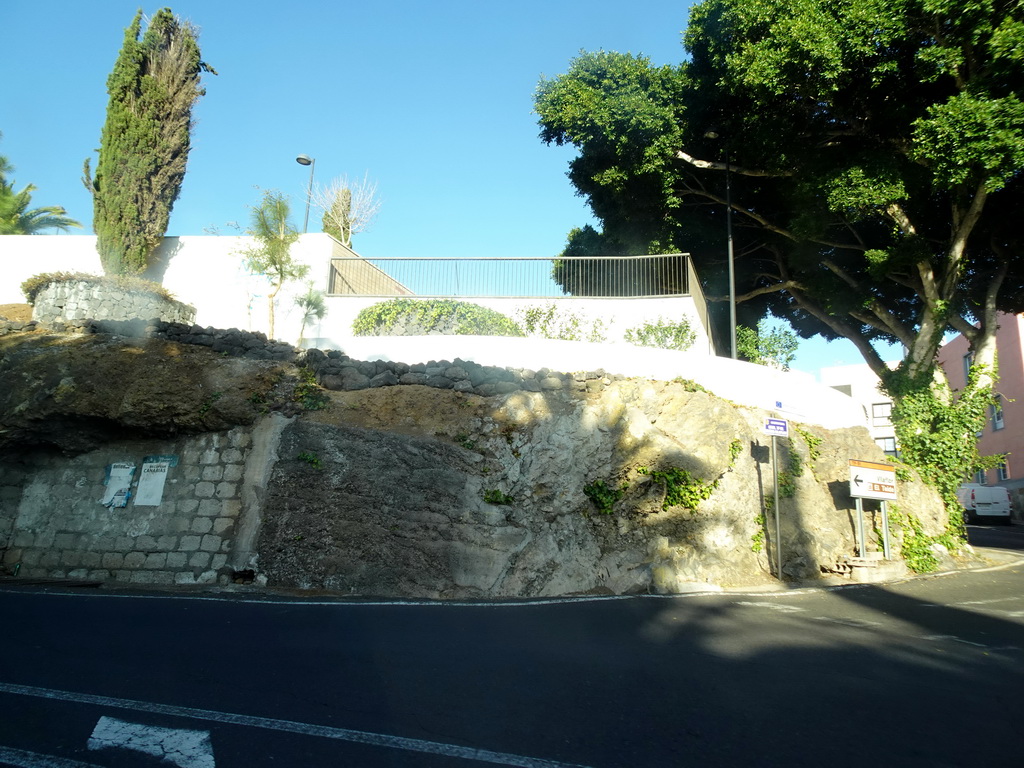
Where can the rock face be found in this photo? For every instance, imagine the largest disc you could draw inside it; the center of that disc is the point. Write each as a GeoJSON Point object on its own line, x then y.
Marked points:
{"type": "Point", "coordinates": [61, 301]}
{"type": "Point", "coordinates": [418, 492]}
{"type": "Point", "coordinates": [76, 392]}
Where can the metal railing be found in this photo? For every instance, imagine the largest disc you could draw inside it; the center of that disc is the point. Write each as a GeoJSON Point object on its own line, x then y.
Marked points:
{"type": "Point", "coordinates": [580, 277]}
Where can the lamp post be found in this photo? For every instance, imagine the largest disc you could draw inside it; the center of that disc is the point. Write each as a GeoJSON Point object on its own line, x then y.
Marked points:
{"type": "Point", "coordinates": [714, 134]}
{"type": "Point", "coordinates": [311, 162]}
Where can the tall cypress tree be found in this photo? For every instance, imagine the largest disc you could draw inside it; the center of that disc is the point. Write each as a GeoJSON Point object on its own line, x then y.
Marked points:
{"type": "Point", "coordinates": [145, 141]}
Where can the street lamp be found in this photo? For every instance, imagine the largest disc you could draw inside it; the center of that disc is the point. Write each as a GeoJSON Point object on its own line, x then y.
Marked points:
{"type": "Point", "coordinates": [311, 162]}
{"type": "Point", "coordinates": [714, 134]}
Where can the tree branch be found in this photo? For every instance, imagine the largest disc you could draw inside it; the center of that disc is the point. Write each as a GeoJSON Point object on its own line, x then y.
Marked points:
{"type": "Point", "coordinates": [712, 165]}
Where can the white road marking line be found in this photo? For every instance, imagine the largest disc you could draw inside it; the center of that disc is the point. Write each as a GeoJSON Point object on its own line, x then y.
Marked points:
{"type": "Point", "coordinates": [780, 607]}
{"type": "Point", "coordinates": [954, 638]}
{"type": "Point", "coordinates": [177, 746]}
{"type": "Point", "coordinates": [19, 758]}
{"type": "Point", "coordinates": [859, 623]}
{"type": "Point", "coordinates": [290, 726]}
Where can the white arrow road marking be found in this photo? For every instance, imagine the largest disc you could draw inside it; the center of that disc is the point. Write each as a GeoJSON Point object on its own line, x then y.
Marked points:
{"type": "Point", "coordinates": [290, 726]}
{"type": "Point", "coordinates": [177, 746]}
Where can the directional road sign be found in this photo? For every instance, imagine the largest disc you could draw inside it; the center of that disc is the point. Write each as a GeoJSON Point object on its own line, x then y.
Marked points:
{"type": "Point", "coordinates": [872, 480]}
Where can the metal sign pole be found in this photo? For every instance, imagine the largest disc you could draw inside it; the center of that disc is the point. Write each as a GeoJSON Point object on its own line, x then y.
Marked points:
{"type": "Point", "coordinates": [778, 526]}
{"type": "Point", "coordinates": [885, 530]}
{"type": "Point", "coordinates": [861, 549]}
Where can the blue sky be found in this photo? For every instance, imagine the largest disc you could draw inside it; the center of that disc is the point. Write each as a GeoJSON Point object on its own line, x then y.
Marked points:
{"type": "Point", "coordinates": [431, 100]}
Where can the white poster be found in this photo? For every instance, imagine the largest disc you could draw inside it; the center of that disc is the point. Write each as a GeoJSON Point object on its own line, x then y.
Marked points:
{"type": "Point", "coordinates": [151, 484]}
{"type": "Point", "coordinates": [119, 485]}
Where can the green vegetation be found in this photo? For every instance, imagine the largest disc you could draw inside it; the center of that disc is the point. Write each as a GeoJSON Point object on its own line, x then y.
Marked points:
{"type": "Point", "coordinates": [16, 218]}
{"type": "Point", "coordinates": [774, 347]}
{"type": "Point", "coordinates": [604, 496]}
{"type": "Point", "coordinates": [310, 458]}
{"type": "Point", "coordinates": [313, 308]}
{"type": "Point", "coordinates": [145, 141]}
{"type": "Point", "coordinates": [917, 546]}
{"type": "Point", "coordinates": [683, 489]}
{"type": "Point", "coordinates": [308, 393]}
{"type": "Point", "coordinates": [663, 334]}
{"type": "Point", "coordinates": [495, 496]}
{"type": "Point", "coordinates": [875, 150]}
{"type": "Point", "coordinates": [425, 316]}
{"type": "Point", "coordinates": [274, 236]}
{"type": "Point", "coordinates": [552, 322]}
{"type": "Point", "coordinates": [936, 431]}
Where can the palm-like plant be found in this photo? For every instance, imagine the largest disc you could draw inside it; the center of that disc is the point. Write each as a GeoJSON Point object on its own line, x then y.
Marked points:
{"type": "Point", "coordinates": [16, 218]}
{"type": "Point", "coordinates": [313, 308]}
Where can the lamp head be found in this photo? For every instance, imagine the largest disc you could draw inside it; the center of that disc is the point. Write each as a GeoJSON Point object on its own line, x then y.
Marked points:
{"type": "Point", "coordinates": [304, 160]}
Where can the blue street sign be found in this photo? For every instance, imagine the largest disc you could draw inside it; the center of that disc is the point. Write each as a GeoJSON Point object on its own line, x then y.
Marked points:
{"type": "Point", "coordinates": [777, 427]}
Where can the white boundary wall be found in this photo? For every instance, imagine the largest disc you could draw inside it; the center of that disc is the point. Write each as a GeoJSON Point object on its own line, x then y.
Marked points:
{"type": "Point", "coordinates": [207, 272]}
{"type": "Point", "coordinates": [793, 395]}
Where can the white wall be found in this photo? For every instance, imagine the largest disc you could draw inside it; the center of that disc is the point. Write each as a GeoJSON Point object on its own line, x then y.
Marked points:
{"type": "Point", "coordinates": [207, 272]}
{"type": "Point", "coordinates": [617, 315]}
{"type": "Point", "coordinates": [792, 394]}
{"type": "Point", "coordinates": [204, 271]}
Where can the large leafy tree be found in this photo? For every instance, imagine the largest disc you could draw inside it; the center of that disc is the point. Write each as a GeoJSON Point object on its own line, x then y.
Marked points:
{"type": "Point", "coordinates": [16, 218]}
{"type": "Point", "coordinates": [875, 149]}
{"type": "Point", "coordinates": [145, 141]}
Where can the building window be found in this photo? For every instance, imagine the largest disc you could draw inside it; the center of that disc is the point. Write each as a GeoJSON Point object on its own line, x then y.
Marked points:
{"type": "Point", "coordinates": [997, 412]}
{"type": "Point", "coordinates": [880, 413]}
{"type": "Point", "coordinates": [980, 477]}
{"type": "Point", "coordinates": [887, 444]}
{"type": "Point", "coordinates": [1004, 471]}
{"type": "Point", "coordinates": [968, 359]}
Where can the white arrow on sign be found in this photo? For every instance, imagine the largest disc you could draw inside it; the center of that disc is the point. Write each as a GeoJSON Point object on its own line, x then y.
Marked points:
{"type": "Point", "coordinates": [175, 746]}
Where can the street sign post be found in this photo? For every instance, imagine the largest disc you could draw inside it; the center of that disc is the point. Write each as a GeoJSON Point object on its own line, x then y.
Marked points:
{"type": "Point", "coordinates": [872, 480]}
{"type": "Point", "coordinates": [777, 428]}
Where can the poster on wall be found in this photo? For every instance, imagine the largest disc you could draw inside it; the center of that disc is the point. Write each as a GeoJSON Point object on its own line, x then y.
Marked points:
{"type": "Point", "coordinates": [150, 492]}
{"type": "Point", "coordinates": [119, 484]}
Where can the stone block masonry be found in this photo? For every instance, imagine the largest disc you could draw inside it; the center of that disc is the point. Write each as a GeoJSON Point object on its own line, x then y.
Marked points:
{"type": "Point", "coordinates": [53, 524]}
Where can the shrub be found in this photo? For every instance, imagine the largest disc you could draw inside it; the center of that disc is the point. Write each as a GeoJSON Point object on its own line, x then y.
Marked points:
{"type": "Point", "coordinates": [663, 334]}
{"type": "Point", "coordinates": [414, 317]}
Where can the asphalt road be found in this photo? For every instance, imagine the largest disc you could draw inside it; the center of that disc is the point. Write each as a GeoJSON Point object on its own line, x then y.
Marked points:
{"type": "Point", "coordinates": [927, 672]}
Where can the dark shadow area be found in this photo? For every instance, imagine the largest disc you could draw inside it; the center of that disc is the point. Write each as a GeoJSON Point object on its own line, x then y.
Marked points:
{"type": "Point", "coordinates": [895, 677]}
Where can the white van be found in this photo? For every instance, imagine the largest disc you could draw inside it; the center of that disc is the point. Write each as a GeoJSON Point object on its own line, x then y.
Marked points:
{"type": "Point", "coordinates": [984, 501]}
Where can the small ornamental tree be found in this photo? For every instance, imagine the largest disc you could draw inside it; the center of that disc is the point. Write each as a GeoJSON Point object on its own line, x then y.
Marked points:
{"type": "Point", "coordinates": [349, 207]}
{"type": "Point", "coordinates": [271, 253]}
{"type": "Point", "coordinates": [145, 141]}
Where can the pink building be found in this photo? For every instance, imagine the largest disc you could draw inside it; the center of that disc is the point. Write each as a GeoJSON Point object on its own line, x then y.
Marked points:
{"type": "Point", "coordinates": [1004, 432]}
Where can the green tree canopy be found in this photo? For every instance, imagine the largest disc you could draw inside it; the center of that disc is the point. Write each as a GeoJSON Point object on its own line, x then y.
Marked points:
{"type": "Point", "coordinates": [145, 141]}
{"type": "Point", "coordinates": [875, 148]}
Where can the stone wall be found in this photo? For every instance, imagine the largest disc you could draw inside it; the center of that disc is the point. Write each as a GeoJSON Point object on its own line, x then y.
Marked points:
{"type": "Point", "coordinates": [61, 302]}
{"type": "Point", "coordinates": [53, 524]}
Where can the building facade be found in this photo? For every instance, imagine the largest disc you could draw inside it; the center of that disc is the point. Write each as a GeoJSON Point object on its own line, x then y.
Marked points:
{"type": "Point", "coordinates": [1004, 430]}
{"type": "Point", "coordinates": [860, 383]}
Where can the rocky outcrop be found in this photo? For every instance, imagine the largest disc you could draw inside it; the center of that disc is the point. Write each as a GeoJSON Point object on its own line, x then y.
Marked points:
{"type": "Point", "coordinates": [418, 491]}
{"type": "Point", "coordinates": [76, 392]}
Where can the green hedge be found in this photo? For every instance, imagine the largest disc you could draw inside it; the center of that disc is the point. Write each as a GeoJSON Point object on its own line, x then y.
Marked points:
{"type": "Point", "coordinates": [414, 317]}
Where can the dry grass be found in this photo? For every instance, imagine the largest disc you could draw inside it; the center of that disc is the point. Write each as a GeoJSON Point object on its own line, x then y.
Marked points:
{"type": "Point", "coordinates": [17, 312]}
